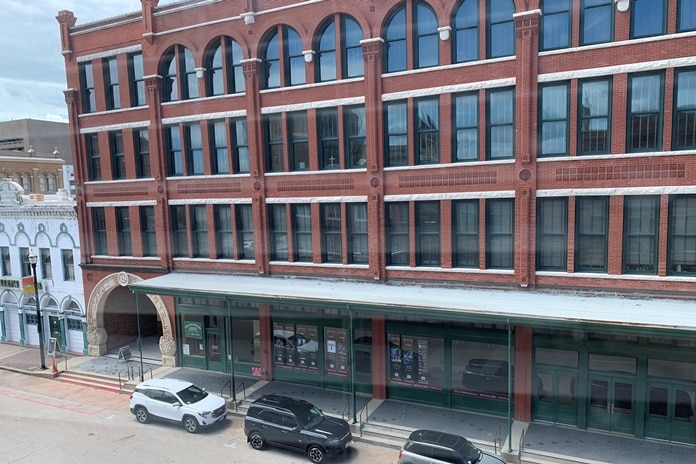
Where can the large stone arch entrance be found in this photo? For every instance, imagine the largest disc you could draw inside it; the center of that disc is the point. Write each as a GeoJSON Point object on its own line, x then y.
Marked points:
{"type": "Point", "coordinates": [112, 317]}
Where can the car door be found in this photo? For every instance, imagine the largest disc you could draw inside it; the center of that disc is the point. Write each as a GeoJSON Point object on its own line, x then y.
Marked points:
{"type": "Point", "coordinates": [292, 435]}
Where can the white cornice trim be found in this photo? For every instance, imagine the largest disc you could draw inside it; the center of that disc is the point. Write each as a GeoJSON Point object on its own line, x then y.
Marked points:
{"type": "Point", "coordinates": [450, 196]}
{"type": "Point", "coordinates": [107, 53]}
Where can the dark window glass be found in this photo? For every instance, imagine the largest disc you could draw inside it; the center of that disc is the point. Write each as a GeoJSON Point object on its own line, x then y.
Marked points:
{"type": "Point", "coordinates": [555, 25]}
{"type": "Point", "coordinates": [224, 233]}
{"type": "Point", "coordinates": [141, 139]}
{"type": "Point", "coordinates": [500, 124]}
{"type": "Point", "coordinates": [466, 127]}
{"type": "Point", "coordinates": [428, 233]}
{"type": "Point", "coordinates": [148, 228]}
{"type": "Point", "coordinates": [552, 234]}
{"type": "Point", "coordinates": [179, 231]}
{"type": "Point", "coordinates": [136, 76]}
{"type": "Point", "coordinates": [398, 253]}
{"type": "Point", "coordinates": [45, 263]}
{"type": "Point", "coordinates": [93, 158]}
{"type": "Point", "coordinates": [278, 229]}
{"type": "Point", "coordinates": [302, 232]}
{"type": "Point", "coordinates": [395, 42]}
{"type": "Point", "coordinates": [427, 120]}
{"type": "Point", "coordinates": [299, 141]}
{"type": "Point", "coordinates": [554, 116]}
{"type": "Point", "coordinates": [645, 113]}
{"type": "Point", "coordinates": [427, 38]}
{"type": "Point", "coordinates": [245, 231]}
{"type": "Point", "coordinates": [396, 125]}
{"type": "Point", "coordinates": [271, 63]}
{"type": "Point", "coordinates": [170, 78]}
{"type": "Point", "coordinates": [357, 233]}
{"type": "Point", "coordinates": [351, 35]}
{"type": "Point", "coordinates": [223, 72]}
{"type": "Point", "coordinates": [123, 231]}
{"type": "Point", "coordinates": [647, 18]}
{"type": "Point", "coordinates": [194, 149]}
{"type": "Point", "coordinates": [465, 233]}
{"type": "Point", "coordinates": [68, 272]}
{"type": "Point", "coordinates": [591, 234]}
{"type": "Point", "coordinates": [6, 261]}
{"type": "Point", "coordinates": [355, 130]}
{"type": "Point", "coordinates": [331, 233]}
{"type": "Point", "coordinates": [641, 222]}
{"type": "Point", "coordinates": [214, 74]}
{"type": "Point", "coordinates": [501, 28]}
{"type": "Point", "coordinates": [99, 231]}
{"type": "Point", "coordinates": [295, 61]}
{"type": "Point", "coordinates": [113, 93]}
{"type": "Point", "coordinates": [327, 127]}
{"type": "Point", "coordinates": [273, 125]}
{"type": "Point", "coordinates": [681, 239]}
{"type": "Point", "coordinates": [500, 233]}
{"type": "Point", "coordinates": [684, 119]}
{"type": "Point", "coordinates": [175, 155]}
{"type": "Point", "coordinates": [241, 145]}
{"type": "Point", "coordinates": [594, 106]}
{"type": "Point", "coordinates": [326, 54]}
{"type": "Point", "coordinates": [686, 16]}
{"type": "Point", "coordinates": [596, 21]}
{"type": "Point", "coordinates": [466, 32]}
{"type": "Point", "coordinates": [219, 153]}
{"type": "Point", "coordinates": [118, 156]}
{"type": "Point", "coordinates": [87, 96]}
{"type": "Point", "coordinates": [199, 231]}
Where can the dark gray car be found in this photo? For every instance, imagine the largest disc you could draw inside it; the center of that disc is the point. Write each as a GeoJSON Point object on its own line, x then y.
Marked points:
{"type": "Point", "coordinates": [296, 425]}
{"type": "Point", "coordinates": [433, 447]}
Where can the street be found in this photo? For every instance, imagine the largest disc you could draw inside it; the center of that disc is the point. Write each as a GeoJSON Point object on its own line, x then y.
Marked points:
{"type": "Point", "coordinates": [47, 421]}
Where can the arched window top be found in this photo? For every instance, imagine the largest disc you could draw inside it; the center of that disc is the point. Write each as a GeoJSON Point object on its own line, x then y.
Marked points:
{"type": "Point", "coordinates": [289, 71]}
{"type": "Point", "coordinates": [294, 42]}
{"type": "Point", "coordinates": [466, 15]}
{"type": "Point", "coordinates": [327, 40]}
{"type": "Point", "coordinates": [396, 27]}
{"type": "Point", "coordinates": [343, 59]}
{"type": "Point", "coordinates": [411, 33]}
{"type": "Point", "coordinates": [427, 22]}
{"type": "Point", "coordinates": [223, 65]}
{"type": "Point", "coordinates": [352, 32]}
{"type": "Point", "coordinates": [272, 49]}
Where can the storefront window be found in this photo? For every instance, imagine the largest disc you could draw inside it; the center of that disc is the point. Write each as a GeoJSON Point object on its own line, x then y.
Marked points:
{"type": "Point", "coordinates": [416, 361]}
{"type": "Point", "coordinates": [480, 369]}
{"type": "Point", "coordinates": [246, 345]}
{"type": "Point", "coordinates": [295, 346]}
{"type": "Point", "coordinates": [192, 343]}
{"type": "Point", "coordinates": [336, 351]}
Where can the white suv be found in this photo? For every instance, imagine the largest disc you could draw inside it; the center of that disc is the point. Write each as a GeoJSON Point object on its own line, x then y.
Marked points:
{"type": "Point", "coordinates": [177, 401]}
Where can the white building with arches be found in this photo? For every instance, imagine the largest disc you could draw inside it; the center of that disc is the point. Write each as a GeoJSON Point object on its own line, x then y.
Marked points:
{"type": "Point", "coordinates": [47, 226]}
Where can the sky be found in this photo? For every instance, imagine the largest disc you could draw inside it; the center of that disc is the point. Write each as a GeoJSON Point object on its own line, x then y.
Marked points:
{"type": "Point", "coordinates": [32, 68]}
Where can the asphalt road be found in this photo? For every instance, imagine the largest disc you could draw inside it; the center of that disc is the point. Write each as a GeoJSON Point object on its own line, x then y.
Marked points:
{"type": "Point", "coordinates": [47, 421]}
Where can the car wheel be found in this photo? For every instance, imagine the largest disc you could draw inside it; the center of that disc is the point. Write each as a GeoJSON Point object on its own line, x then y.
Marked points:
{"type": "Point", "coordinates": [141, 415]}
{"type": "Point", "coordinates": [190, 424]}
{"type": "Point", "coordinates": [257, 441]}
{"type": "Point", "coordinates": [316, 454]}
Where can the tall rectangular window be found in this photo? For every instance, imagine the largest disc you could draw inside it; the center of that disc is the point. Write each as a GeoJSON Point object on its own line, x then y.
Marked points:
{"type": "Point", "coordinates": [398, 251]}
{"type": "Point", "coordinates": [148, 230]}
{"type": "Point", "coordinates": [357, 233]}
{"type": "Point", "coordinates": [552, 234]}
{"type": "Point", "coordinates": [136, 76]}
{"type": "Point", "coordinates": [179, 231]}
{"type": "Point", "coordinates": [684, 120]}
{"type": "Point", "coordinates": [647, 18]}
{"type": "Point", "coordinates": [591, 234]}
{"type": "Point", "coordinates": [199, 231]}
{"type": "Point", "coordinates": [118, 155]}
{"type": "Point", "coordinates": [302, 232]}
{"type": "Point", "coordinates": [554, 114]}
{"type": "Point", "coordinates": [331, 233]}
{"type": "Point", "coordinates": [396, 127]}
{"type": "Point", "coordinates": [466, 127]}
{"type": "Point", "coordinates": [220, 163]}
{"type": "Point", "coordinates": [175, 155]}
{"type": "Point", "coordinates": [123, 231]}
{"type": "Point", "coordinates": [465, 233]}
{"type": "Point", "coordinates": [427, 233]}
{"type": "Point", "coordinates": [87, 96]}
{"type": "Point", "coordinates": [681, 239]}
{"type": "Point", "coordinates": [273, 125]}
{"type": "Point", "coordinates": [245, 231]}
{"type": "Point", "coordinates": [427, 121]}
{"type": "Point", "coordinates": [500, 125]}
{"type": "Point", "coordinates": [686, 16]}
{"type": "Point", "coordinates": [224, 232]}
{"type": "Point", "coordinates": [241, 145]}
{"type": "Point", "coordinates": [355, 132]}
{"type": "Point", "coordinates": [555, 26]}
{"type": "Point", "coordinates": [500, 233]}
{"type": "Point", "coordinates": [68, 265]}
{"type": "Point", "coordinates": [194, 149]}
{"type": "Point", "coordinates": [99, 231]}
{"type": "Point", "coordinates": [641, 224]}
{"type": "Point", "coordinates": [6, 261]}
{"type": "Point", "coordinates": [596, 21]}
{"type": "Point", "coordinates": [594, 118]}
{"type": "Point", "coordinates": [45, 262]}
{"type": "Point", "coordinates": [278, 231]}
{"type": "Point", "coordinates": [327, 127]}
{"type": "Point", "coordinates": [645, 112]}
{"type": "Point", "coordinates": [24, 259]}
{"type": "Point", "coordinates": [93, 158]}
{"type": "Point", "coordinates": [299, 142]}
{"type": "Point", "coordinates": [141, 139]}
{"type": "Point", "coordinates": [501, 28]}
{"type": "Point", "coordinates": [113, 93]}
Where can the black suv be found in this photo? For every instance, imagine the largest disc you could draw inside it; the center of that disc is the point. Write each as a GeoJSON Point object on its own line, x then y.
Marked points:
{"type": "Point", "coordinates": [296, 425]}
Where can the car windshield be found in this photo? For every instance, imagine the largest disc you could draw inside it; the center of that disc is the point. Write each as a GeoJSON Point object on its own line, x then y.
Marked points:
{"type": "Point", "coordinates": [192, 394]}
{"type": "Point", "coordinates": [310, 417]}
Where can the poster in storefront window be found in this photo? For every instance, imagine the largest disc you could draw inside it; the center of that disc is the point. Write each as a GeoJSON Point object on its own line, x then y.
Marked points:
{"type": "Point", "coordinates": [290, 345]}
{"type": "Point", "coordinates": [313, 338]}
{"type": "Point", "coordinates": [302, 360]}
{"type": "Point", "coordinates": [407, 358]}
{"type": "Point", "coordinates": [342, 352]}
{"type": "Point", "coordinates": [422, 361]}
{"type": "Point", "coordinates": [330, 349]}
{"type": "Point", "coordinates": [395, 356]}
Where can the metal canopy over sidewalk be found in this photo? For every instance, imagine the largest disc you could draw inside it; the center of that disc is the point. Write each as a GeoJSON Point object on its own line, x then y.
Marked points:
{"type": "Point", "coordinates": [621, 314]}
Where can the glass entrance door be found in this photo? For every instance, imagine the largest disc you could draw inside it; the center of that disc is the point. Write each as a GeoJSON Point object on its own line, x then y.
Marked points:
{"type": "Point", "coordinates": [554, 399]}
{"type": "Point", "coordinates": [670, 412]}
{"type": "Point", "coordinates": [215, 346]}
{"type": "Point", "coordinates": [612, 403]}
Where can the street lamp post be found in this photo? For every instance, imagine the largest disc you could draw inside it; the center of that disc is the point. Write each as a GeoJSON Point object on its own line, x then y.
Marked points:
{"type": "Point", "coordinates": [39, 323]}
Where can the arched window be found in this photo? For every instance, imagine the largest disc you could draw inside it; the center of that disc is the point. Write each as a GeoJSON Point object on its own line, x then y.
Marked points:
{"type": "Point", "coordinates": [179, 75]}
{"type": "Point", "coordinates": [347, 60]}
{"type": "Point", "coordinates": [465, 45]}
{"type": "Point", "coordinates": [422, 33]}
{"type": "Point", "coordinates": [26, 182]}
{"type": "Point", "coordinates": [286, 68]}
{"type": "Point", "coordinates": [42, 183]}
{"type": "Point", "coordinates": [224, 68]}
{"type": "Point", "coordinates": [501, 28]}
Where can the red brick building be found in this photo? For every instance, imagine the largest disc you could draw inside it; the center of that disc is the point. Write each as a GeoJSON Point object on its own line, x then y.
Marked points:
{"type": "Point", "coordinates": [410, 199]}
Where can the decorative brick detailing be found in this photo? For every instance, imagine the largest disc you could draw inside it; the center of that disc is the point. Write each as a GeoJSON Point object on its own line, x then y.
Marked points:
{"type": "Point", "coordinates": [209, 187]}
{"type": "Point", "coordinates": [451, 179]}
{"type": "Point", "coordinates": [315, 185]}
{"type": "Point", "coordinates": [121, 192]}
{"type": "Point", "coordinates": [638, 171]}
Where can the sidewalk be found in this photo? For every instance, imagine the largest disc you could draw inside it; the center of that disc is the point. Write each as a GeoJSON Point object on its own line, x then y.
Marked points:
{"type": "Point", "coordinates": [554, 443]}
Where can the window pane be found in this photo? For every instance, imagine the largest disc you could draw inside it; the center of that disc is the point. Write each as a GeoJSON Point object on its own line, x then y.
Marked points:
{"type": "Point", "coordinates": [397, 234]}
{"type": "Point", "coordinates": [597, 19]}
{"type": "Point", "coordinates": [641, 217]}
{"type": "Point", "coordinates": [647, 18]}
{"type": "Point", "coordinates": [687, 15]}
{"type": "Point", "coordinates": [552, 234]}
{"type": "Point", "coordinates": [428, 131]}
{"type": "Point", "coordinates": [645, 117]}
{"type": "Point", "coordinates": [500, 231]}
{"type": "Point", "coordinates": [591, 224]}
{"type": "Point", "coordinates": [555, 24]}
{"type": "Point", "coordinates": [554, 120]}
{"type": "Point", "coordinates": [594, 119]}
